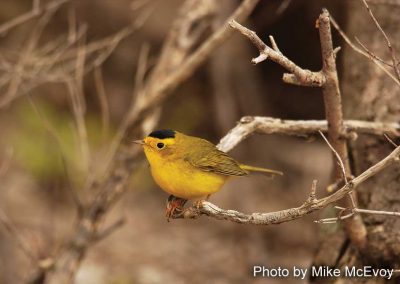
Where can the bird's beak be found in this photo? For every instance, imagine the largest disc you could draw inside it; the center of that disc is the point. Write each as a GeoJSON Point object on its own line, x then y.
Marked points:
{"type": "Point", "coordinates": [140, 142]}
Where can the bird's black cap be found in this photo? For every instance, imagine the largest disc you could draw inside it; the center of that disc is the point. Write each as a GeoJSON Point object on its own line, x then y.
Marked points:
{"type": "Point", "coordinates": [162, 134]}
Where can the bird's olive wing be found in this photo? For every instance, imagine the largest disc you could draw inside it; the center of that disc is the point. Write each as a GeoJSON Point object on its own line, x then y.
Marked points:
{"type": "Point", "coordinates": [210, 159]}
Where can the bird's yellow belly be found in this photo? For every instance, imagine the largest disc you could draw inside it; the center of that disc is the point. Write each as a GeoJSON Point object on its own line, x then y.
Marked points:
{"type": "Point", "coordinates": [185, 181]}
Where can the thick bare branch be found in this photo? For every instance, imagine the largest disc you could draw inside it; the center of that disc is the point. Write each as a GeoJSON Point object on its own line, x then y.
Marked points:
{"type": "Point", "coordinates": [302, 76]}
{"type": "Point", "coordinates": [250, 125]}
{"type": "Point", "coordinates": [334, 115]}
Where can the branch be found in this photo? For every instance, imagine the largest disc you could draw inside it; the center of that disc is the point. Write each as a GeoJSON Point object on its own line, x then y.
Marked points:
{"type": "Point", "coordinates": [395, 3]}
{"type": "Point", "coordinates": [298, 76]}
{"type": "Point", "coordinates": [373, 212]}
{"type": "Point", "coordinates": [395, 61]}
{"type": "Point", "coordinates": [283, 6]}
{"type": "Point", "coordinates": [390, 140]}
{"type": "Point", "coordinates": [337, 156]}
{"type": "Point", "coordinates": [250, 125]}
{"type": "Point", "coordinates": [36, 11]}
{"type": "Point", "coordinates": [6, 161]}
{"type": "Point", "coordinates": [22, 244]}
{"type": "Point", "coordinates": [354, 226]}
{"type": "Point", "coordinates": [374, 60]}
{"type": "Point", "coordinates": [373, 55]}
{"type": "Point", "coordinates": [354, 211]}
{"type": "Point", "coordinates": [309, 206]}
{"type": "Point", "coordinates": [109, 230]}
{"type": "Point", "coordinates": [102, 98]}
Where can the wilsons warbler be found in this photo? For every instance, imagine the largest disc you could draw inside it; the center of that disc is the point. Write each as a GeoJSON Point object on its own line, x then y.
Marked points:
{"type": "Point", "coordinates": [189, 167]}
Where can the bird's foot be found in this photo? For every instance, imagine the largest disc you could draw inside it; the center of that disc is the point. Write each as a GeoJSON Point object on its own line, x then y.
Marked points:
{"type": "Point", "coordinates": [199, 203]}
{"type": "Point", "coordinates": [174, 207]}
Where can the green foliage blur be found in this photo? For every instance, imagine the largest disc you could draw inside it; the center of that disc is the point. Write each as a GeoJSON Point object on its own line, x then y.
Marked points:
{"type": "Point", "coordinates": [37, 149]}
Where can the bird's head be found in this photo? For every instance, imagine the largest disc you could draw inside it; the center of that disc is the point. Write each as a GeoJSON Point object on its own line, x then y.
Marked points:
{"type": "Point", "coordinates": [159, 144]}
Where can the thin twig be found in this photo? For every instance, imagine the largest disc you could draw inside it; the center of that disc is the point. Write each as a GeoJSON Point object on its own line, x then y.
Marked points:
{"type": "Point", "coordinates": [360, 51]}
{"type": "Point", "coordinates": [283, 6]}
{"type": "Point", "coordinates": [339, 160]}
{"type": "Point", "coordinates": [341, 165]}
{"type": "Point", "coordinates": [79, 116]}
{"type": "Point", "coordinates": [390, 140]}
{"type": "Point", "coordinates": [35, 12]}
{"type": "Point", "coordinates": [250, 125]}
{"type": "Point", "coordinates": [273, 44]}
{"type": "Point", "coordinates": [373, 55]}
{"type": "Point", "coordinates": [6, 161]}
{"type": "Point", "coordinates": [17, 75]}
{"type": "Point", "coordinates": [312, 198]}
{"type": "Point", "coordinates": [58, 141]}
{"type": "Point", "coordinates": [71, 189]}
{"type": "Point", "coordinates": [394, 3]}
{"type": "Point", "coordinates": [353, 211]}
{"type": "Point", "coordinates": [109, 230]}
{"type": "Point", "coordinates": [13, 231]}
{"type": "Point", "coordinates": [102, 96]}
{"type": "Point", "coordinates": [373, 212]}
{"type": "Point", "coordinates": [389, 44]}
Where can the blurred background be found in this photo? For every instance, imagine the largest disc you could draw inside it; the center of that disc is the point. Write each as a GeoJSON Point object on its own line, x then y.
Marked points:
{"type": "Point", "coordinates": [49, 89]}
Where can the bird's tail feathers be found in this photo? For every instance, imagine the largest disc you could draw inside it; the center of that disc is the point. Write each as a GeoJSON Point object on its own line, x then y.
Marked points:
{"type": "Point", "coordinates": [261, 170]}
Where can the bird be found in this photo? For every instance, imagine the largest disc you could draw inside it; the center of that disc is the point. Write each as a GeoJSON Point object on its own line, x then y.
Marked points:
{"type": "Point", "coordinates": [190, 168]}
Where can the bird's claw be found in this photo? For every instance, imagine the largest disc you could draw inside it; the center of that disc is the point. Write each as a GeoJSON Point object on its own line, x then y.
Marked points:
{"type": "Point", "coordinates": [174, 207]}
{"type": "Point", "coordinates": [198, 204]}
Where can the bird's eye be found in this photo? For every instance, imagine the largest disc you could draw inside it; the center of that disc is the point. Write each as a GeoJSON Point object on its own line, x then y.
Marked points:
{"type": "Point", "coordinates": [160, 145]}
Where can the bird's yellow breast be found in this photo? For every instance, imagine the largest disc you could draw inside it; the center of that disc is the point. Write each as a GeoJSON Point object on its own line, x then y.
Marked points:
{"type": "Point", "coordinates": [179, 178]}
